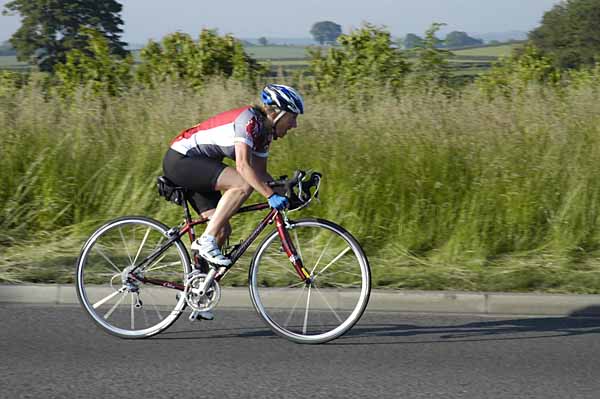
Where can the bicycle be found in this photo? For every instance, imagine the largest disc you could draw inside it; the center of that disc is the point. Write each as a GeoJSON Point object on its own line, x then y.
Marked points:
{"type": "Point", "coordinates": [309, 279]}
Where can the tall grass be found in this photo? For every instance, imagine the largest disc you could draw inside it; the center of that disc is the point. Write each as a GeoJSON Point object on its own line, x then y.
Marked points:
{"type": "Point", "coordinates": [444, 193]}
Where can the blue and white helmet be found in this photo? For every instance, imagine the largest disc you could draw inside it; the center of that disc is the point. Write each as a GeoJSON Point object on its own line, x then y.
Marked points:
{"type": "Point", "coordinates": [284, 97]}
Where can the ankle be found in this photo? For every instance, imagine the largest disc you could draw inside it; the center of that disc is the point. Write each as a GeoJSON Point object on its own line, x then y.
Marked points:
{"type": "Point", "coordinates": [208, 237]}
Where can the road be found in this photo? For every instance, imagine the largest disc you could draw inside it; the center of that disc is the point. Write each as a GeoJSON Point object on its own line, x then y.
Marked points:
{"type": "Point", "coordinates": [56, 352]}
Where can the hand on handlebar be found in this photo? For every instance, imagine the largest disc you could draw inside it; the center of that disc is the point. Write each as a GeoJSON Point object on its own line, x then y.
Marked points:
{"type": "Point", "coordinates": [278, 202]}
{"type": "Point", "coordinates": [299, 190]}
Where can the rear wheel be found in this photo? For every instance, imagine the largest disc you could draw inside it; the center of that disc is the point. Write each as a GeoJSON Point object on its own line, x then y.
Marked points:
{"type": "Point", "coordinates": [334, 299]}
{"type": "Point", "coordinates": [120, 305]}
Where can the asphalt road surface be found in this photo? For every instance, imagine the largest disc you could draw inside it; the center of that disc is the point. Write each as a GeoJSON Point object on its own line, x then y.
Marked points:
{"type": "Point", "coordinates": [57, 352]}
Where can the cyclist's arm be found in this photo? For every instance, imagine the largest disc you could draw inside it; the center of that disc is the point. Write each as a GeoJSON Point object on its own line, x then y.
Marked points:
{"type": "Point", "coordinates": [253, 169]}
{"type": "Point", "coordinates": [260, 165]}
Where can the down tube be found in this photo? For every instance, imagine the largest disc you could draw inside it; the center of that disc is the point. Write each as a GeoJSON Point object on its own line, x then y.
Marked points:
{"type": "Point", "coordinates": [235, 255]}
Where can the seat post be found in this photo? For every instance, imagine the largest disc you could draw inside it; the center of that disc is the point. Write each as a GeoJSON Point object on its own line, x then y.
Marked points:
{"type": "Point", "coordinates": [186, 210]}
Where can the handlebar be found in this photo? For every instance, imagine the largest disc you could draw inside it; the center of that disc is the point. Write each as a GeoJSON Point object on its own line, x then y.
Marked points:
{"type": "Point", "coordinates": [298, 188]}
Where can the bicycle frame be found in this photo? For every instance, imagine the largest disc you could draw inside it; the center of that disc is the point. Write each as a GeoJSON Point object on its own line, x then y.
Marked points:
{"type": "Point", "coordinates": [188, 228]}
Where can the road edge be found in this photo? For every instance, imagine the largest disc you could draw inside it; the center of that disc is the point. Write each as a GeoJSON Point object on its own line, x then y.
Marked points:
{"type": "Point", "coordinates": [491, 303]}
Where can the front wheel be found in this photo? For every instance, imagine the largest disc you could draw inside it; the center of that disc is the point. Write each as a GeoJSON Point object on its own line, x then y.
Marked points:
{"type": "Point", "coordinates": [334, 299]}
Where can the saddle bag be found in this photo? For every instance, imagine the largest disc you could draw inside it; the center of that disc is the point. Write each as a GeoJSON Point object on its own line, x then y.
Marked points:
{"type": "Point", "coordinates": [170, 191]}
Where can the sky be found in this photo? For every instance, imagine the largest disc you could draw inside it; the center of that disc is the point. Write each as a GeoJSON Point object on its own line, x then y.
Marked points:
{"type": "Point", "coordinates": [152, 19]}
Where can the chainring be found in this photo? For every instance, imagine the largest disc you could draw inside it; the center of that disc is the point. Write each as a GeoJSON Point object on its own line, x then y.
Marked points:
{"type": "Point", "coordinates": [201, 302]}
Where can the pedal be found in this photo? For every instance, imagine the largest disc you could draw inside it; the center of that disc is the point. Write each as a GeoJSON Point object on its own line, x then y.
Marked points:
{"type": "Point", "coordinates": [193, 316]}
{"type": "Point", "coordinates": [201, 315]}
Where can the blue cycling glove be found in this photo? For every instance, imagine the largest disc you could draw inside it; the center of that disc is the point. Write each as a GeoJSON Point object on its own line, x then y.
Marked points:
{"type": "Point", "coordinates": [278, 202]}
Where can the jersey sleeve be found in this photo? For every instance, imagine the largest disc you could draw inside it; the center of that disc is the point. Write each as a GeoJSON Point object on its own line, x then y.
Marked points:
{"type": "Point", "coordinates": [249, 129]}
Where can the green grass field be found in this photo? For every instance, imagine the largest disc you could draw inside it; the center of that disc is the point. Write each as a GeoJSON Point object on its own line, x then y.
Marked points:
{"type": "Point", "coordinates": [276, 52]}
{"type": "Point", "coordinates": [10, 62]}
{"type": "Point", "coordinates": [488, 51]}
{"type": "Point", "coordinates": [463, 192]}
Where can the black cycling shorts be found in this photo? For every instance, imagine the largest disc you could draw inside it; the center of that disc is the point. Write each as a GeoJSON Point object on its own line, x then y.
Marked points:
{"type": "Point", "coordinates": [197, 174]}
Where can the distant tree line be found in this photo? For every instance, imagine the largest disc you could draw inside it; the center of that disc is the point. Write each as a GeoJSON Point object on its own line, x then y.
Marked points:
{"type": "Point", "coordinates": [453, 40]}
{"type": "Point", "coordinates": [7, 49]}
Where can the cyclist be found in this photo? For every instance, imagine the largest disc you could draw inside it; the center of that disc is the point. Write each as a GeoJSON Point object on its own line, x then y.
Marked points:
{"type": "Point", "coordinates": [194, 161]}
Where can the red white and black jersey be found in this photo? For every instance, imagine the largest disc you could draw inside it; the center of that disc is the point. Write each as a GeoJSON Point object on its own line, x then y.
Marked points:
{"type": "Point", "coordinates": [215, 137]}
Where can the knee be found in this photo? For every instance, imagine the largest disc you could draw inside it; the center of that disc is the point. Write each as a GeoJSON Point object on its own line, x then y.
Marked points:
{"type": "Point", "coordinates": [244, 189]}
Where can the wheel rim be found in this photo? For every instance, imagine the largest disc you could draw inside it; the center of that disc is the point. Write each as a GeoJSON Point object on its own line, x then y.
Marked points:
{"type": "Point", "coordinates": [131, 309]}
{"type": "Point", "coordinates": [331, 304]}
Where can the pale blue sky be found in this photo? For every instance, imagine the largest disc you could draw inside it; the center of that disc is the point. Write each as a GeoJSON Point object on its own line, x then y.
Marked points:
{"type": "Point", "coordinates": [146, 19]}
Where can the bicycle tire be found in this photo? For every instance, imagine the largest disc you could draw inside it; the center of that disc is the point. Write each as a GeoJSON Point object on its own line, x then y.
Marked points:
{"type": "Point", "coordinates": [104, 257]}
{"type": "Point", "coordinates": [341, 288]}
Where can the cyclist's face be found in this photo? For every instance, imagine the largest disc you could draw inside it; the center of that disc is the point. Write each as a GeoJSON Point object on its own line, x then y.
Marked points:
{"type": "Point", "coordinates": [287, 122]}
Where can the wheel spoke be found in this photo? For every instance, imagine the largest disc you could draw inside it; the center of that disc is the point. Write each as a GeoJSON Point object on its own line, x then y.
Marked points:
{"type": "Point", "coordinates": [306, 311]}
{"type": "Point", "coordinates": [142, 245]}
{"type": "Point", "coordinates": [321, 256]}
{"type": "Point", "coordinates": [150, 268]}
{"type": "Point", "coordinates": [159, 243]}
{"type": "Point", "coordinates": [143, 309]}
{"type": "Point", "coordinates": [97, 249]}
{"type": "Point", "coordinates": [110, 312]}
{"type": "Point", "coordinates": [132, 311]}
{"type": "Point", "coordinates": [154, 305]}
{"type": "Point", "coordinates": [345, 285]}
{"type": "Point", "coordinates": [333, 261]}
{"type": "Point", "coordinates": [328, 305]}
{"type": "Point", "coordinates": [345, 272]}
{"type": "Point", "coordinates": [285, 265]}
{"type": "Point", "coordinates": [287, 322]}
{"type": "Point", "coordinates": [108, 298]}
{"type": "Point", "coordinates": [125, 245]}
{"type": "Point", "coordinates": [282, 265]}
{"type": "Point", "coordinates": [296, 284]}
{"type": "Point", "coordinates": [297, 245]}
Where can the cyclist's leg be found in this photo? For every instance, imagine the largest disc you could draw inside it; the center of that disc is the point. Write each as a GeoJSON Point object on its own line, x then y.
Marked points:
{"type": "Point", "coordinates": [236, 192]}
{"type": "Point", "coordinates": [208, 245]}
{"type": "Point", "coordinates": [207, 177]}
{"type": "Point", "coordinates": [225, 231]}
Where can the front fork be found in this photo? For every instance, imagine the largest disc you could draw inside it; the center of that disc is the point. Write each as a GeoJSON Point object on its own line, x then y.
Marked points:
{"type": "Point", "coordinates": [288, 246]}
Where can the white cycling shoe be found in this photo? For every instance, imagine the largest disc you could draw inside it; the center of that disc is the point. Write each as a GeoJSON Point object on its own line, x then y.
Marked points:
{"type": "Point", "coordinates": [208, 249]}
{"type": "Point", "coordinates": [204, 315]}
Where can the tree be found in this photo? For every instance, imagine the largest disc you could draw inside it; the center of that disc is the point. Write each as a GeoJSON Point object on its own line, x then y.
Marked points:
{"type": "Point", "coordinates": [178, 57]}
{"type": "Point", "coordinates": [432, 64]}
{"type": "Point", "coordinates": [411, 41]}
{"type": "Point", "coordinates": [461, 39]}
{"type": "Point", "coordinates": [570, 33]}
{"type": "Point", "coordinates": [95, 67]}
{"type": "Point", "coordinates": [516, 72]}
{"type": "Point", "coordinates": [51, 28]}
{"type": "Point", "coordinates": [326, 32]}
{"type": "Point", "coordinates": [263, 41]}
{"type": "Point", "coordinates": [367, 59]}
